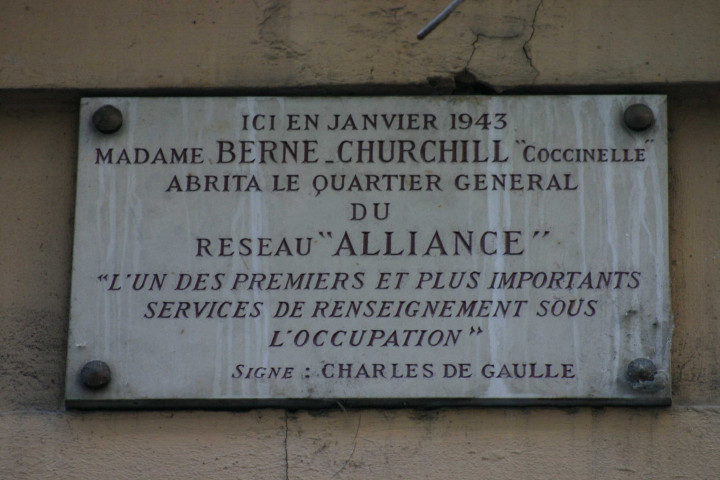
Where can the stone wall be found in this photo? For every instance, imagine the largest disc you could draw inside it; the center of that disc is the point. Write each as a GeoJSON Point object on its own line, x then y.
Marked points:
{"type": "Point", "coordinates": [51, 53]}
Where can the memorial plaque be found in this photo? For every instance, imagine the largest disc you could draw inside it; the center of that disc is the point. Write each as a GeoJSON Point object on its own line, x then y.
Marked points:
{"type": "Point", "coordinates": [234, 252]}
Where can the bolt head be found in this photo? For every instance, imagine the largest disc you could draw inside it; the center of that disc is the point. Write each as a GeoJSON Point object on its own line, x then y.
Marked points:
{"type": "Point", "coordinates": [641, 370]}
{"type": "Point", "coordinates": [639, 117]}
{"type": "Point", "coordinates": [95, 374]}
{"type": "Point", "coordinates": [107, 119]}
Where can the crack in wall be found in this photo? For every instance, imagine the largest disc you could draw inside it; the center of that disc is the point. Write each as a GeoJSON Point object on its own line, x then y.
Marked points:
{"type": "Point", "coordinates": [352, 452]}
{"type": "Point", "coordinates": [465, 72]}
{"type": "Point", "coordinates": [287, 462]}
{"type": "Point", "coordinates": [474, 48]}
{"type": "Point", "coordinates": [526, 45]}
{"type": "Point", "coordinates": [481, 35]}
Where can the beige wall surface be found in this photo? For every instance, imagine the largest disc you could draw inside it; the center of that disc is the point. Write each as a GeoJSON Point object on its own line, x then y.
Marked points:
{"type": "Point", "coordinates": [138, 44]}
{"type": "Point", "coordinates": [51, 53]}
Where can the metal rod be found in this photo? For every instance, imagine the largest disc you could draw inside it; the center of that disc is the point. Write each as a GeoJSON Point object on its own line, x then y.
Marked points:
{"type": "Point", "coordinates": [438, 20]}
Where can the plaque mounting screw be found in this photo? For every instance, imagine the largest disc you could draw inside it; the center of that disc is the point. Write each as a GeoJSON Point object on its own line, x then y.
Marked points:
{"type": "Point", "coordinates": [95, 374]}
{"type": "Point", "coordinates": [641, 372]}
{"type": "Point", "coordinates": [107, 119]}
{"type": "Point", "coordinates": [638, 117]}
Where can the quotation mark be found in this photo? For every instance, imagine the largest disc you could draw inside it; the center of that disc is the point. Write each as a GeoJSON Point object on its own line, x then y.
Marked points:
{"type": "Point", "coordinates": [475, 331]}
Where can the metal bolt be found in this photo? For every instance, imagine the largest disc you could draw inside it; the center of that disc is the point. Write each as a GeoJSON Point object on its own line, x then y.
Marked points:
{"type": "Point", "coordinates": [638, 117]}
{"type": "Point", "coordinates": [95, 374]}
{"type": "Point", "coordinates": [641, 370]}
{"type": "Point", "coordinates": [107, 119]}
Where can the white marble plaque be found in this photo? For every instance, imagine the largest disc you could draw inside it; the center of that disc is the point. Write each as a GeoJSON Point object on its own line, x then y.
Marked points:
{"type": "Point", "coordinates": [234, 252]}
